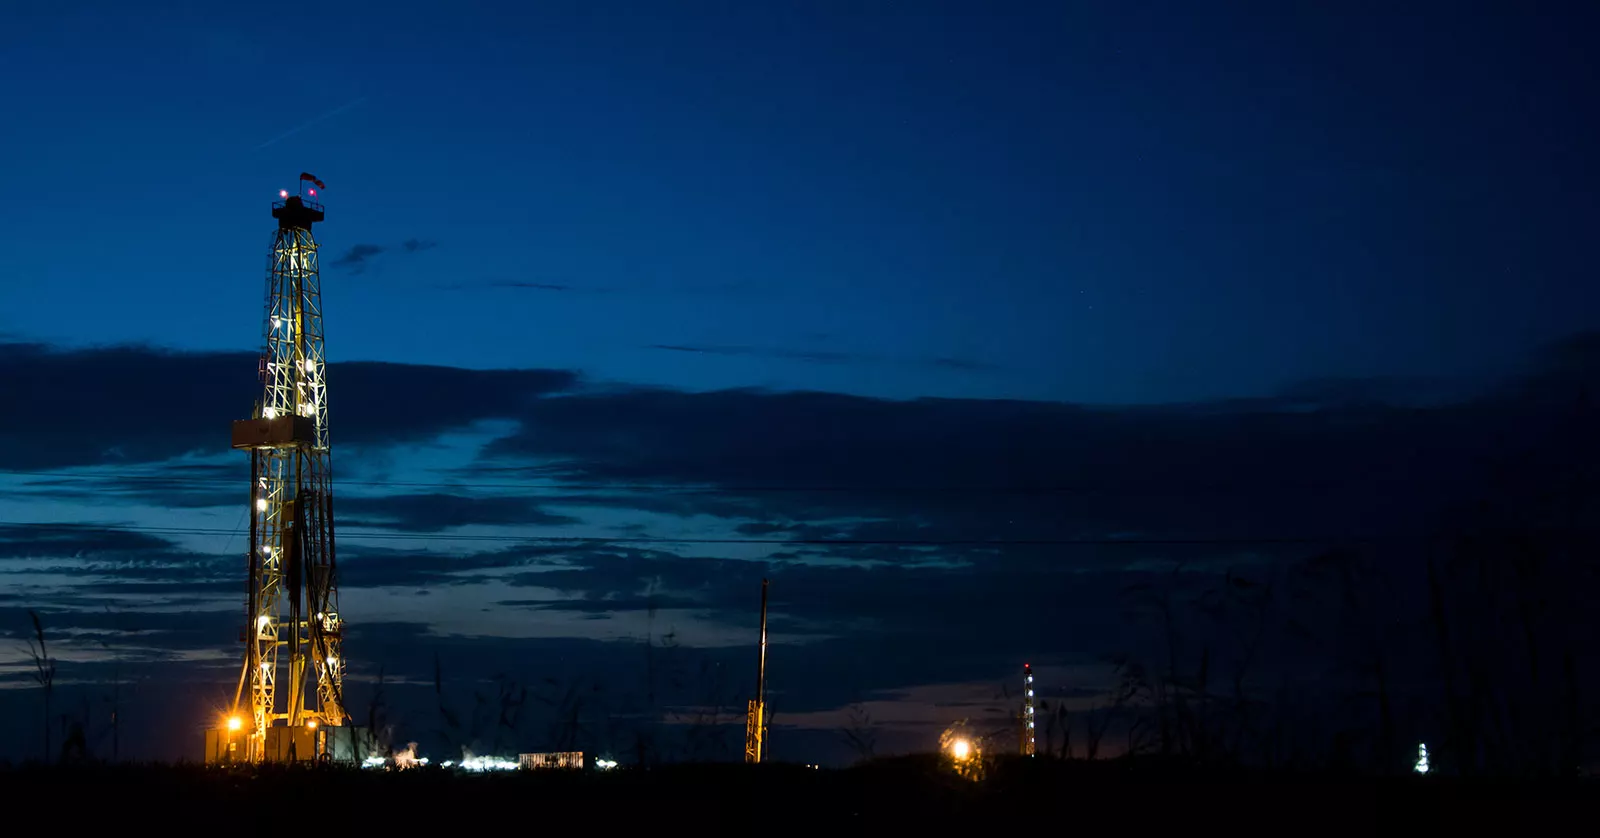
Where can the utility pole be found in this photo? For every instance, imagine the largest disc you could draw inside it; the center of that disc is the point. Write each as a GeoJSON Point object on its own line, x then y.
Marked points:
{"type": "Point", "coordinates": [755, 726]}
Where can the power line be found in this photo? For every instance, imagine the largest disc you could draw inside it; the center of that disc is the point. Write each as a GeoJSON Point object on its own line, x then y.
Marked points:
{"type": "Point", "coordinates": [844, 542]}
{"type": "Point", "coordinates": [1365, 484]}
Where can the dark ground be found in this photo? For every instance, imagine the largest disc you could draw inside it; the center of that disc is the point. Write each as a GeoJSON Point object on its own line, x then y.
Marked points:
{"type": "Point", "coordinates": [888, 797]}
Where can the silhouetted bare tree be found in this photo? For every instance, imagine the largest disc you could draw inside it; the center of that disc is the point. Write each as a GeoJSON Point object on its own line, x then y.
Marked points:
{"type": "Point", "coordinates": [44, 673]}
{"type": "Point", "coordinates": [1130, 685]}
{"type": "Point", "coordinates": [860, 733]}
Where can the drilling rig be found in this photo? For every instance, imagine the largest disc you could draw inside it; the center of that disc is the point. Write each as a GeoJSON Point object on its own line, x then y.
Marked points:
{"type": "Point", "coordinates": [289, 705]}
{"type": "Point", "coordinates": [755, 725]}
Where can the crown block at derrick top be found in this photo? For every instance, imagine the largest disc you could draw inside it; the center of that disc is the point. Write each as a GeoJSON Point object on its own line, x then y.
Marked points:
{"type": "Point", "coordinates": [293, 213]}
{"type": "Point", "coordinates": [278, 432]}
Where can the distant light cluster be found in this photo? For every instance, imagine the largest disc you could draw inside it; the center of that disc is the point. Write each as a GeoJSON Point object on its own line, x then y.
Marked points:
{"type": "Point", "coordinates": [479, 764]}
{"type": "Point", "coordinates": [379, 762]}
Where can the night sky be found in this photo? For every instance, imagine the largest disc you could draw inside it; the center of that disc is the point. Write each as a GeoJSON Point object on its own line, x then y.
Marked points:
{"type": "Point", "coordinates": [629, 305]}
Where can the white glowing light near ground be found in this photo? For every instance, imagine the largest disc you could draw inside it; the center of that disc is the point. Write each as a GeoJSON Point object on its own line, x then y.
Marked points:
{"type": "Point", "coordinates": [960, 749]}
{"type": "Point", "coordinates": [270, 413]}
{"type": "Point", "coordinates": [605, 764]}
{"type": "Point", "coordinates": [1422, 758]}
{"type": "Point", "coordinates": [402, 761]}
{"type": "Point", "coordinates": [484, 764]}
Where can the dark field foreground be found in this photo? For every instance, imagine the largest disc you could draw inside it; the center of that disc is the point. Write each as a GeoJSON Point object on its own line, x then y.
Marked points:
{"type": "Point", "coordinates": [901, 794]}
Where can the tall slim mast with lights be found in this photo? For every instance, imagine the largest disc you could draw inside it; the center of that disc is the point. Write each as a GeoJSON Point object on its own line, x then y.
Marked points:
{"type": "Point", "coordinates": [1027, 710]}
{"type": "Point", "coordinates": [755, 724]}
{"type": "Point", "coordinates": [293, 669]}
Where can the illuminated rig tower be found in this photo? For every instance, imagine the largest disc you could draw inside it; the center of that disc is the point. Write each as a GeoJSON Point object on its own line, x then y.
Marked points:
{"type": "Point", "coordinates": [1027, 711]}
{"type": "Point", "coordinates": [293, 669]}
{"type": "Point", "coordinates": [755, 724]}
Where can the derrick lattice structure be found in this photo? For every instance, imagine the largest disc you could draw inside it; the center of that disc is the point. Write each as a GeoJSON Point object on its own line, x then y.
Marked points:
{"type": "Point", "coordinates": [293, 669]}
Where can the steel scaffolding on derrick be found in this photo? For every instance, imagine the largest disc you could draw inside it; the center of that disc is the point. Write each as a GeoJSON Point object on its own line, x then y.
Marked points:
{"type": "Point", "coordinates": [294, 635]}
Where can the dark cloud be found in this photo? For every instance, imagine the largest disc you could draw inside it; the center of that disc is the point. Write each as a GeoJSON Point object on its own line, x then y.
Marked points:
{"type": "Point", "coordinates": [873, 616]}
{"type": "Point", "coordinates": [91, 407]}
{"type": "Point", "coordinates": [664, 500]}
{"type": "Point", "coordinates": [435, 512]}
{"type": "Point", "coordinates": [172, 486]}
{"type": "Point", "coordinates": [815, 356]}
{"type": "Point", "coordinates": [366, 565]}
{"type": "Point", "coordinates": [24, 541]}
{"type": "Point", "coordinates": [413, 245]}
{"type": "Point", "coordinates": [1324, 459]}
{"type": "Point", "coordinates": [186, 583]}
{"type": "Point", "coordinates": [1310, 462]}
{"type": "Point", "coordinates": [603, 606]}
{"type": "Point", "coordinates": [368, 411]}
{"type": "Point", "coordinates": [964, 364]}
{"type": "Point", "coordinates": [993, 469]}
{"type": "Point", "coordinates": [360, 256]}
{"type": "Point", "coordinates": [175, 631]}
{"type": "Point", "coordinates": [1353, 393]}
{"type": "Point", "coordinates": [106, 559]}
{"type": "Point", "coordinates": [69, 540]}
{"type": "Point", "coordinates": [355, 259]}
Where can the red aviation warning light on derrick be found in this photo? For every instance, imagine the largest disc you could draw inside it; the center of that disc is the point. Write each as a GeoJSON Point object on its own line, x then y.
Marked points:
{"type": "Point", "coordinates": [289, 705]}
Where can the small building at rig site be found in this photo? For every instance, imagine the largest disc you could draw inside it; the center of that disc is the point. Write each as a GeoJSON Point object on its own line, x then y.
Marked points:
{"type": "Point", "coordinates": [555, 759]}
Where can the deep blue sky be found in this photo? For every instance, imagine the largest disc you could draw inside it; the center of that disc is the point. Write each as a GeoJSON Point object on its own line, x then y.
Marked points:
{"type": "Point", "coordinates": [1108, 202]}
{"type": "Point", "coordinates": [725, 250]}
